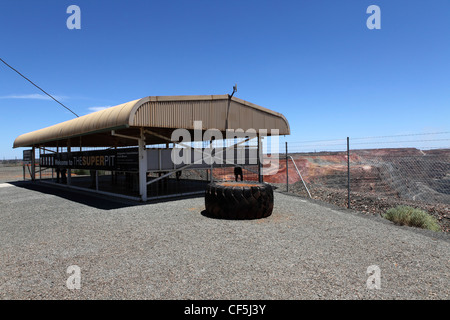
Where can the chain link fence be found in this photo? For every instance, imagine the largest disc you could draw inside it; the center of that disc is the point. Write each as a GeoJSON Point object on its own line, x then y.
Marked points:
{"type": "Point", "coordinates": [371, 174]}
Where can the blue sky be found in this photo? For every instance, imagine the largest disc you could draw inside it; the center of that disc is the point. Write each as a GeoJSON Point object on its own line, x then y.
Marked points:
{"type": "Point", "coordinates": [316, 62]}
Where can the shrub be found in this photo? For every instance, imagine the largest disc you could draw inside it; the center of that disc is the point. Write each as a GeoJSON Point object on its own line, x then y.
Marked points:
{"type": "Point", "coordinates": [404, 215]}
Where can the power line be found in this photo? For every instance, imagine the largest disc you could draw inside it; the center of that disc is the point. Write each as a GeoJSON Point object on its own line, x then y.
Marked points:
{"type": "Point", "coordinates": [363, 138]}
{"type": "Point", "coordinates": [381, 142]}
{"type": "Point", "coordinates": [403, 135]}
{"type": "Point", "coordinates": [36, 86]}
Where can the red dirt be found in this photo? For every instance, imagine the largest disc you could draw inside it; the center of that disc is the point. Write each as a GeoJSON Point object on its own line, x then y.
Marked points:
{"type": "Point", "coordinates": [236, 184]}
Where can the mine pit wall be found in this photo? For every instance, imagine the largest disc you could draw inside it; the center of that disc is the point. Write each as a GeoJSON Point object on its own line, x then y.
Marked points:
{"type": "Point", "coordinates": [406, 174]}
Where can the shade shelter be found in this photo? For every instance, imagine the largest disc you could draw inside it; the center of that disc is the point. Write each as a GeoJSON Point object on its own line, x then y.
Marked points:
{"type": "Point", "coordinates": [142, 123]}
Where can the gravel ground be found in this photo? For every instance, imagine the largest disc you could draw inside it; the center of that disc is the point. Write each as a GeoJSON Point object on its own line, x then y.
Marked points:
{"type": "Point", "coordinates": [372, 204]}
{"type": "Point", "coordinates": [169, 250]}
{"type": "Point", "coordinates": [12, 173]}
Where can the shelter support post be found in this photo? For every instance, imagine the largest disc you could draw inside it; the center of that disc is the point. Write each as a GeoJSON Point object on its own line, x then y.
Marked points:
{"type": "Point", "coordinates": [142, 174]}
{"type": "Point", "coordinates": [142, 167]}
{"type": "Point", "coordinates": [259, 152]}
{"type": "Point", "coordinates": [212, 169]}
{"type": "Point", "coordinates": [40, 169]}
{"type": "Point", "coordinates": [33, 160]}
{"type": "Point", "coordinates": [69, 171]}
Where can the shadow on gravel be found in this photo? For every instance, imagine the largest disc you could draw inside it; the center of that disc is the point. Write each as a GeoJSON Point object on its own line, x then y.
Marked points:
{"type": "Point", "coordinates": [206, 214]}
{"type": "Point", "coordinates": [102, 202]}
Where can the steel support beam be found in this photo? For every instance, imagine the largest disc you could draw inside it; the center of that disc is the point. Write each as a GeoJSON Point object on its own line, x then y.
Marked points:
{"type": "Point", "coordinates": [69, 171]}
{"type": "Point", "coordinates": [33, 160]}
{"type": "Point", "coordinates": [142, 167]}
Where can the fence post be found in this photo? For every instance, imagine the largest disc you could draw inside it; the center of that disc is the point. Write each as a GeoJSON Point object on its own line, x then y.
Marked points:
{"type": "Point", "coordinates": [348, 172]}
{"type": "Point", "coordinates": [287, 169]}
{"type": "Point", "coordinates": [259, 158]}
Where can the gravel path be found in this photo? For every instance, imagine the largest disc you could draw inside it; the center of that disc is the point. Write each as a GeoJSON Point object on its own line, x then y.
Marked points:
{"type": "Point", "coordinates": [169, 250]}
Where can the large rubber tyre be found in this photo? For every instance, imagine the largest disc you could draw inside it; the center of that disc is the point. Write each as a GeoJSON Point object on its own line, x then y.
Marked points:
{"type": "Point", "coordinates": [239, 200]}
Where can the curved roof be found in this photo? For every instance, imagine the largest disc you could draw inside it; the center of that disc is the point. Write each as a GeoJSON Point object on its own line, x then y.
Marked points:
{"type": "Point", "coordinates": [161, 114]}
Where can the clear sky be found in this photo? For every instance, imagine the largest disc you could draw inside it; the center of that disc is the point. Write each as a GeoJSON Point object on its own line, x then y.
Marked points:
{"type": "Point", "coordinates": [316, 62]}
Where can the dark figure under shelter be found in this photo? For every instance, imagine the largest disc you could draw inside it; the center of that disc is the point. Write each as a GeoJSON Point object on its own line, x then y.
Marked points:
{"type": "Point", "coordinates": [238, 172]}
{"type": "Point", "coordinates": [64, 176]}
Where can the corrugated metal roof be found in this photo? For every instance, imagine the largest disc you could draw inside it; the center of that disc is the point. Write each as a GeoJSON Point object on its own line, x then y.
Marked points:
{"type": "Point", "coordinates": [160, 113]}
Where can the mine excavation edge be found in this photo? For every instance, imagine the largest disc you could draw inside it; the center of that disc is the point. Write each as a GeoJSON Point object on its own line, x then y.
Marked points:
{"type": "Point", "coordinates": [233, 309]}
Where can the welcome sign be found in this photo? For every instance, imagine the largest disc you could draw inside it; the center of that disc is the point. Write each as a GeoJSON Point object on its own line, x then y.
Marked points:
{"type": "Point", "coordinates": [110, 159]}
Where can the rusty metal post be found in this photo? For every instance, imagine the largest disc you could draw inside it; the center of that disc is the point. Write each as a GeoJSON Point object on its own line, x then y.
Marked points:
{"type": "Point", "coordinates": [348, 172]}
{"type": "Point", "coordinates": [287, 169]}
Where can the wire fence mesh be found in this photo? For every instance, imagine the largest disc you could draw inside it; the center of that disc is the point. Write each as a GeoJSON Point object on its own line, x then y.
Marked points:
{"type": "Point", "coordinates": [379, 173]}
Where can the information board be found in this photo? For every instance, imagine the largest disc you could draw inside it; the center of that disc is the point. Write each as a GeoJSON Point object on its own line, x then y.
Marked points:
{"type": "Point", "coordinates": [109, 159]}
